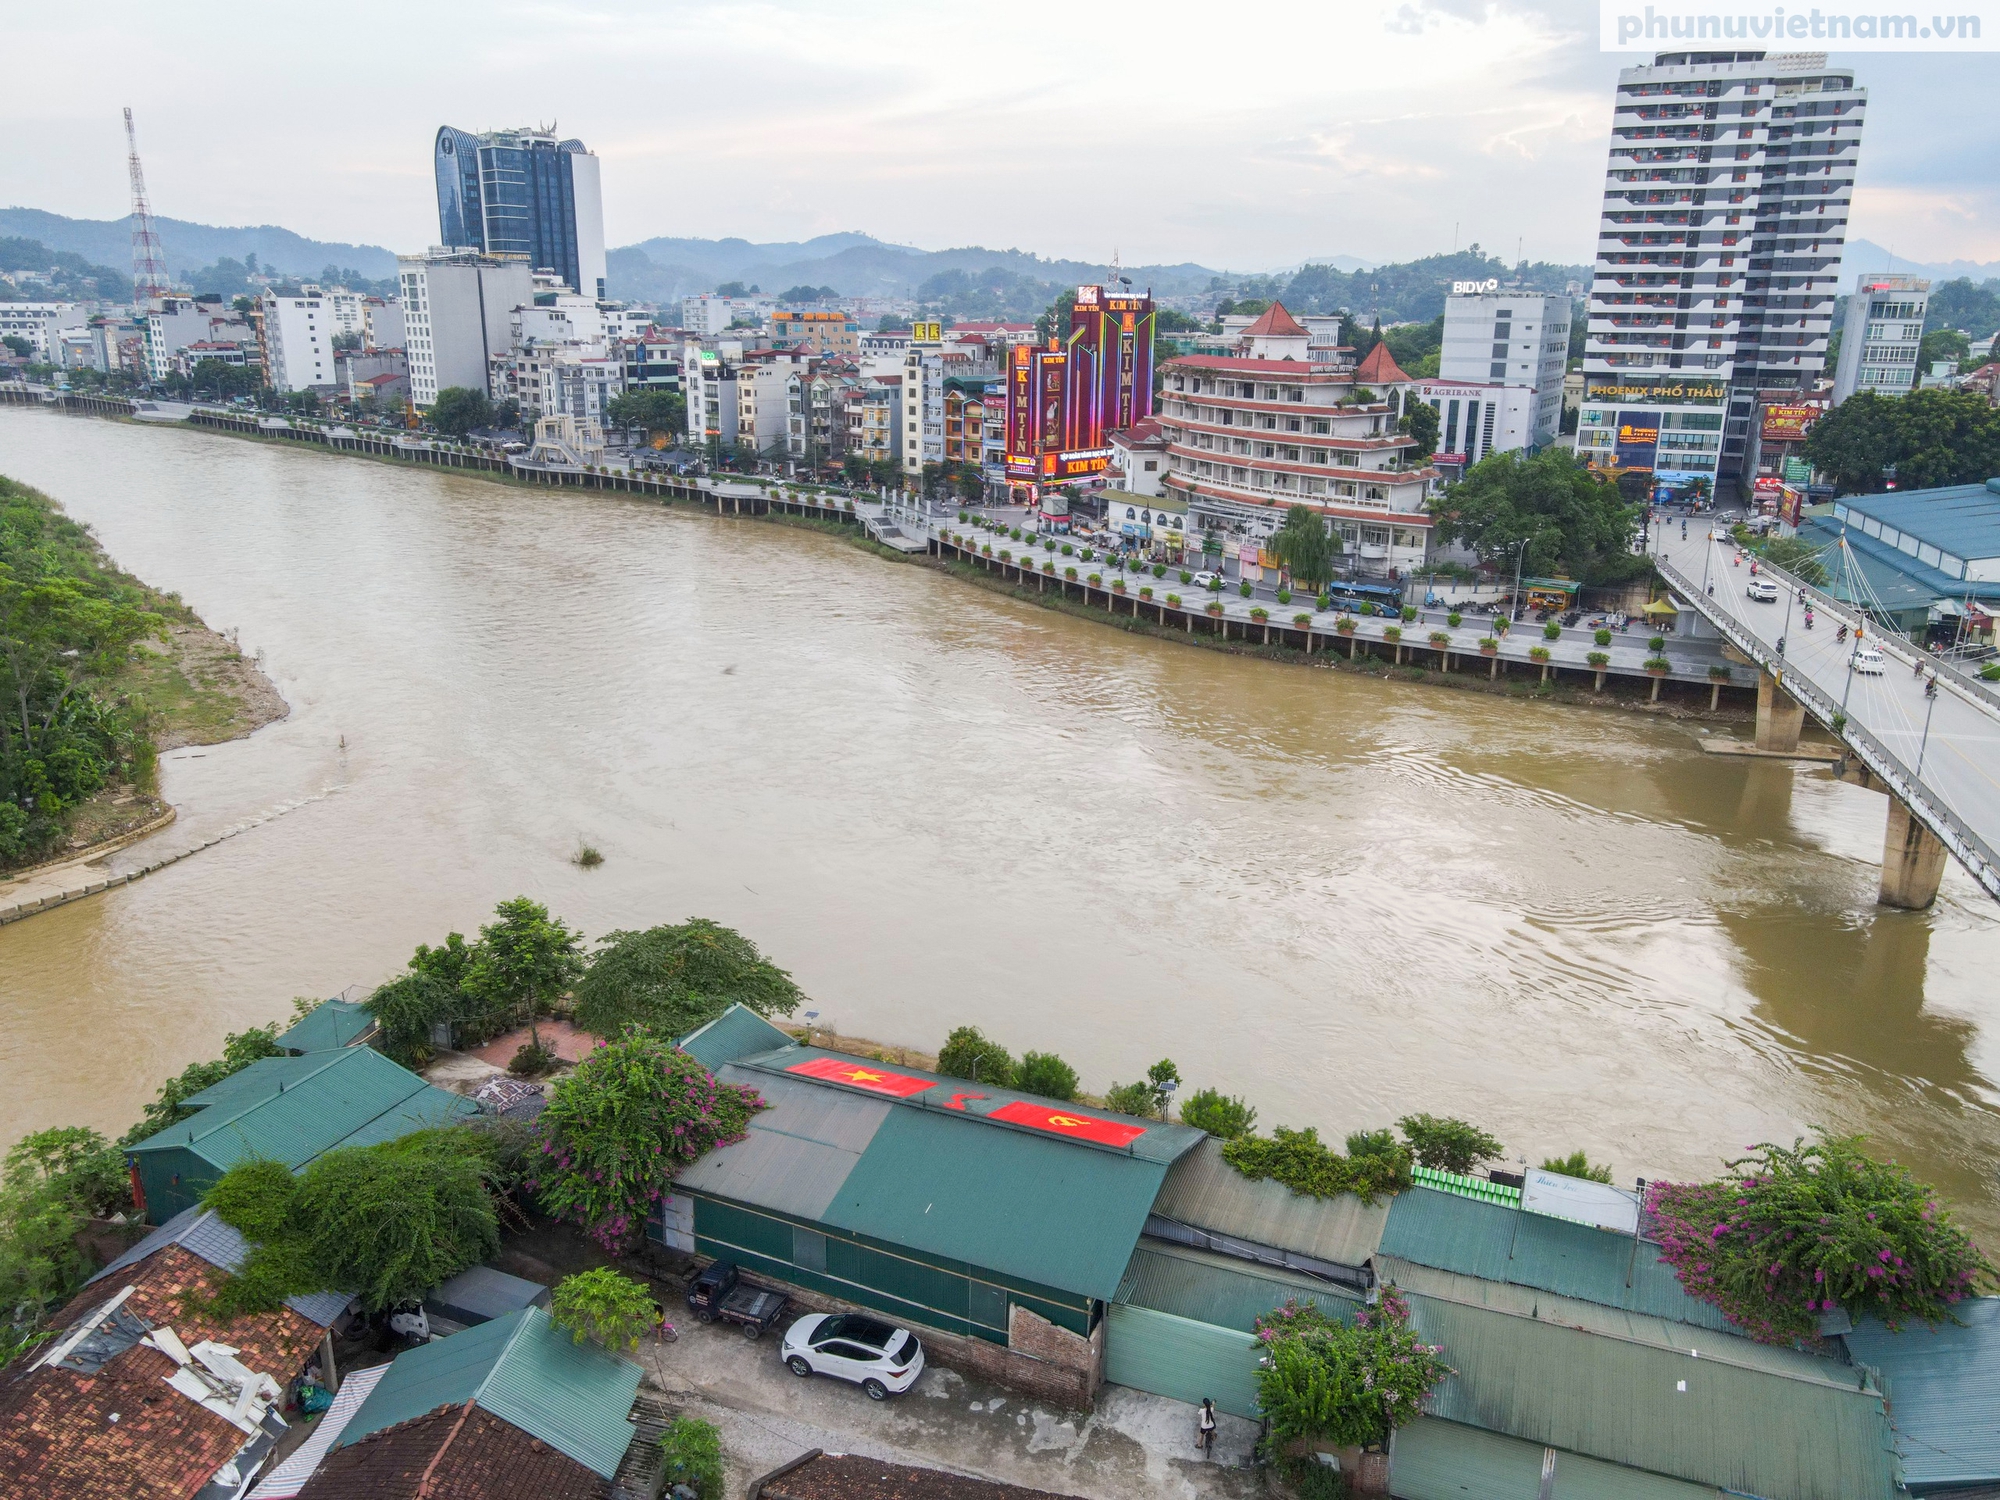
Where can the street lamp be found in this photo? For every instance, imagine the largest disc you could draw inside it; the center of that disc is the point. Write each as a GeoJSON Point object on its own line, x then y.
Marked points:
{"type": "Point", "coordinates": [1514, 604]}
{"type": "Point", "coordinates": [1930, 707]}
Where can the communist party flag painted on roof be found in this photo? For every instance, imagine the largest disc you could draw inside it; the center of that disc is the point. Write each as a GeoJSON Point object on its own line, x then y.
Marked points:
{"type": "Point", "coordinates": [1064, 1122]}
{"type": "Point", "coordinates": [861, 1076]}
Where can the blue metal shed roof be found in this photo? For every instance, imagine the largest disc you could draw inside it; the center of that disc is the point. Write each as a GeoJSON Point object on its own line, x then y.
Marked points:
{"type": "Point", "coordinates": [1899, 580]}
{"type": "Point", "coordinates": [738, 1032]}
{"type": "Point", "coordinates": [202, 1232]}
{"type": "Point", "coordinates": [1472, 1238]}
{"type": "Point", "coordinates": [525, 1371]}
{"type": "Point", "coordinates": [1944, 1394]}
{"type": "Point", "coordinates": [330, 1024]}
{"type": "Point", "coordinates": [292, 1109]}
{"type": "Point", "coordinates": [1963, 519]}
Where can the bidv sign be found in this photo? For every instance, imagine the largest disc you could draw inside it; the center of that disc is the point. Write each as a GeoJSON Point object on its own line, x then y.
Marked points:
{"type": "Point", "coordinates": [1474, 288]}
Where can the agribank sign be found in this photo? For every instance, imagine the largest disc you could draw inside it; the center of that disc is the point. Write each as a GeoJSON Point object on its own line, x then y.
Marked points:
{"type": "Point", "coordinates": [1835, 25]}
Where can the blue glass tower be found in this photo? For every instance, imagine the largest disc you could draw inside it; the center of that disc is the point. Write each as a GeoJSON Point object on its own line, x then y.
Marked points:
{"type": "Point", "coordinates": [523, 192]}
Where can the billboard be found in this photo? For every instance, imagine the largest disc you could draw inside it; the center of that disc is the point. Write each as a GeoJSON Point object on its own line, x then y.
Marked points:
{"type": "Point", "coordinates": [1694, 392]}
{"type": "Point", "coordinates": [1638, 439]}
{"type": "Point", "coordinates": [1580, 1200]}
{"type": "Point", "coordinates": [1789, 424]}
{"type": "Point", "coordinates": [1063, 397]}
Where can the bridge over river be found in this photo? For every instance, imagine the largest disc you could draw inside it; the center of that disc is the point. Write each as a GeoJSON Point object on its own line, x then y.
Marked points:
{"type": "Point", "coordinates": [1938, 757]}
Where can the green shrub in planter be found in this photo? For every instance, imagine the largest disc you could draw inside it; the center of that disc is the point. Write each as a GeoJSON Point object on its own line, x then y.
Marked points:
{"type": "Point", "coordinates": [1284, 596]}
{"type": "Point", "coordinates": [1070, 573]}
{"type": "Point", "coordinates": [1067, 549]}
{"type": "Point", "coordinates": [1454, 619]}
{"type": "Point", "coordinates": [1174, 600]}
{"type": "Point", "coordinates": [1440, 639]}
{"type": "Point", "coordinates": [1215, 606]}
{"type": "Point", "coordinates": [1324, 601]}
{"type": "Point", "coordinates": [1658, 664]}
{"type": "Point", "coordinates": [1538, 653]}
{"type": "Point", "coordinates": [1599, 659]}
{"type": "Point", "coordinates": [1245, 590]}
{"type": "Point", "coordinates": [1367, 608]}
{"type": "Point", "coordinates": [1552, 631]}
{"type": "Point", "coordinates": [1392, 633]}
{"type": "Point", "coordinates": [963, 518]}
{"type": "Point", "coordinates": [1990, 672]}
{"type": "Point", "coordinates": [1005, 555]}
{"type": "Point", "coordinates": [1117, 585]}
{"type": "Point", "coordinates": [1260, 614]}
{"type": "Point", "coordinates": [1489, 644]}
{"type": "Point", "coordinates": [1146, 592]}
{"type": "Point", "coordinates": [1303, 621]}
{"type": "Point", "coordinates": [1186, 576]}
{"type": "Point", "coordinates": [1015, 533]}
{"type": "Point", "coordinates": [1159, 570]}
{"type": "Point", "coordinates": [1409, 613]}
{"type": "Point", "coordinates": [1087, 554]}
{"type": "Point", "coordinates": [1345, 625]}
{"type": "Point", "coordinates": [1048, 567]}
{"type": "Point", "coordinates": [1096, 580]}
{"type": "Point", "coordinates": [1603, 637]}
{"type": "Point", "coordinates": [1720, 672]}
{"type": "Point", "coordinates": [1657, 644]}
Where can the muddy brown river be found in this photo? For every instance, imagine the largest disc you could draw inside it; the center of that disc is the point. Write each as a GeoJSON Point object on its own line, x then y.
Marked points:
{"type": "Point", "coordinates": [1342, 898]}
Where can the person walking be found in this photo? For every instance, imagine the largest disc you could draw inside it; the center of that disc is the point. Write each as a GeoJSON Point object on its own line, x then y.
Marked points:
{"type": "Point", "coordinates": [1205, 1428]}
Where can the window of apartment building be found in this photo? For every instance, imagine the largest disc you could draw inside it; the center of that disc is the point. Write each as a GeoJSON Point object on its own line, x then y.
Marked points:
{"type": "Point", "coordinates": [1321, 425]}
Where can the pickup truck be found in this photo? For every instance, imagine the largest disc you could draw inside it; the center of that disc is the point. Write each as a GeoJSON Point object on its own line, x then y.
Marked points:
{"type": "Point", "coordinates": [721, 1292]}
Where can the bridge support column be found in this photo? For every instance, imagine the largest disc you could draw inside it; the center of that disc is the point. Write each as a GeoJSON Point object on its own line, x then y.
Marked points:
{"type": "Point", "coordinates": [1912, 860]}
{"type": "Point", "coordinates": [1779, 716]}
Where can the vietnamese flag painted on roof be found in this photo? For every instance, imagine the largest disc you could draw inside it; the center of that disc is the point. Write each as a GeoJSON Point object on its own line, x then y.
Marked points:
{"type": "Point", "coordinates": [861, 1076]}
{"type": "Point", "coordinates": [1066, 1122]}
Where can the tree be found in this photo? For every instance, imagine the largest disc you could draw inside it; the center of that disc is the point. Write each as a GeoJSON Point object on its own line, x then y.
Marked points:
{"type": "Point", "coordinates": [1577, 1164]}
{"type": "Point", "coordinates": [1305, 546]}
{"type": "Point", "coordinates": [672, 979]}
{"type": "Point", "coordinates": [1046, 1075]}
{"type": "Point", "coordinates": [1420, 421]}
{"type": "Point", "coordinates": [1573, 522]}
{"type": "Point", "coordinates": [19, 347]}
{"type": "Point", "coordinates": [524, 961]}
{"type": "Point", "coordinates": [1448, 1145]}
{"type": "Point", "coordinates": [616, 1130]}
{"type": "Point", "coordinates": [1163, 1078]}
{"type": "Point", "coordinates": [458, 410]}
{"type": "Point", "coordinates": [54, 634]}
{"type": "Point", "coordinates": [1224, 1116]}
{"type": "Point", "coordinates": [691, 1454]}
{"type": "Point", "coordinates": [604, 1307]}
{"type": "Point", "coordinates": [655, 411]}
{"type": "Point", "coordinates": [1940, 345]}
{"type": "Point", "coordinates": [967, 1053]}
{"type": "Point", "coordinates": [75, 1163]}
{"type": "Point", "coordinates": [169, 1107]}
{"type": "Point", "coordinates": [733, 289]}
{"type": "Point", "coordinates": [1792, 1232]}
{"type": "Point", "coordinates": [807, 292]}
{"type": "Point", "coordinates": [1129, 1098]}
{"type": "Point", "coordinates": [1348, 1384]}
{"type": "Point", "coordinates": [1927, 438]}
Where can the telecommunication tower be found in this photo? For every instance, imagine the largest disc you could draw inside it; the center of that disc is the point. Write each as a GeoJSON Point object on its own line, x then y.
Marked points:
{"type": "Point", "coordinates": [149, 261]}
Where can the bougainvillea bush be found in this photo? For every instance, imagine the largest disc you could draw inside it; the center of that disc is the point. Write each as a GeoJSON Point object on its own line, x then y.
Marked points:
{"type": "Point", "coordinates": [1344, 1383]}
{"type": "Point", "coordinates": [1797, 1231]}
{"type": "Point", "coordinates": [616, 1130]}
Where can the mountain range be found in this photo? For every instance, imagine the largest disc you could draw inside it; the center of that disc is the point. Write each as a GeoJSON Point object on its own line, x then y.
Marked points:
{"type": "Point", "coordinates": [189, 247]}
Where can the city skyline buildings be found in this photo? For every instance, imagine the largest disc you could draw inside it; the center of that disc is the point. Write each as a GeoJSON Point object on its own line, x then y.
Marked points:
{"type": "Point", "coordinates": [527, 193]}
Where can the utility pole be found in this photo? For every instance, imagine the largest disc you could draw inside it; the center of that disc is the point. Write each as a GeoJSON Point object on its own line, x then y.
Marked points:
{"type": "Point", "coordinates": [1514, 604]}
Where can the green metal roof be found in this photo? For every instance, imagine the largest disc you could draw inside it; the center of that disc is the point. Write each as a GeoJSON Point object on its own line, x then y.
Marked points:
{"type": "Point", "coordinates": [525, 1371]}
{"type": "Point", "coordinates": [1218, 1289]}
{"type": "Point", "coordinates": [1438, 1460]}
{"type": "Point", "coordinates": [1944, 1394]}
{"type": "Point", "coordinates": [1481, 1188]}
{"type": "Point", "coordinates": [330, 1024]}
{"type": "Point", "coordinates": [1453, 1233]}
{"type": "Point", "coordinates": [1203, 1190]}
{"type": "Point", "coordinates": [738, 1032]}
{"type": "Point", "coordinates": [1700, 1420]}
{"type": "Point", "coordinates": [1043, 1209]}
{"type": "Point", "coordinates": [292, 1109]}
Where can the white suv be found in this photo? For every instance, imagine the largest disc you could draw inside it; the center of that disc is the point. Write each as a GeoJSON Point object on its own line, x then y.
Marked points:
{"type": "Point", "coordinates": [879, 1357]}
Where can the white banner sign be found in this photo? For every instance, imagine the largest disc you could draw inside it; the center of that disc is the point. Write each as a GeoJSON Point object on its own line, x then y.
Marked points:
{"type": "Point", "coordinates": [1831, 26]}
{"type": "Point", "coordinates": [1580, 1200]}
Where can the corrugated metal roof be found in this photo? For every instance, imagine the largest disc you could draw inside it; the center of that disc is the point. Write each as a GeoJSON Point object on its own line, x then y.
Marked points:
{"type": "Point", "coordinates": [292, 1109]}
{"type": "Point", "coordinates": [1704, 1421]}
{"type": "Point", "coordinates": [1451, 1233]}
{"type": "Point", "coordinates": [285, 1481]}
{"type": "Point", "coordinates": [797, 1153]}
{"type": "Point", "coordinates": [1963, 519]}
{"type": "Point", "coordinates": [1204, 1190]}
{"type": "Point", "coordinates": [1217, 1289]}
{"type": "Point", "coordinates": [1482, 1188]}
{"type": "Point", "coordinates": [201, 1231]}
{"type": "Point", "coordinates": [1944, 1393]}
{"type": "Point", "coordinates": [1011, 1201]}
{"type": "Point", "coordinates": [1159, 1141]}
{"type": "Point", "coordinates": [524, 1370]}
{"type": "Point", "coordinates": [1615, 1322]}
{"type": "Point", "coordinates": [330, 1024]}
{"type": "Point", "coordinates": [1438, 1460]}
{"type": "Point", "coordinates": [738, 1032]}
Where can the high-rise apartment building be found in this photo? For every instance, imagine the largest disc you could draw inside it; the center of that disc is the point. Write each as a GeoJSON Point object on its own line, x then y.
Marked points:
{"type": "Point", "coordinates": [525, 193]}
{"type": "Point", "coordinates": [298, 340]}
{"type": "Point", "coordinates": [1881, 335]}
{"type": "Point", "coordinates": [1725, 208]}
{"type": "Point", "coordinates": [458, 308]}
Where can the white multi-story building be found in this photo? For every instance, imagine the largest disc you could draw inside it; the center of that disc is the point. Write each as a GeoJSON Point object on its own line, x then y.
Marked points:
{"type": "Point", "coordinates": [172, 323]}
{"type": "Point", "coordinates": [709, 381]}
{"type": "Point", "coordinates": [457, 315]}
{"type": "Point", "coordinates": [1881, 337]}
{"type": "Point", "coordinates": [1252, 434]}
{"type": "Point", "coordinates": [346, 311]}
{"type": "Point", "coordinates": [40, 323]}
{"type": "Point", "coordinates": [558, 317]}
{"type": "Point", "coordinates": [1510, 340]}
{"type": "Point", "coordinates": [1725, 209]}
{"type": "Point", "coordinates": [1478, 417]}
{"type": "Point", "coordinates": [382, 319]}
{"type": "Point", "coordinates": [298, 342]}
{"type": "Point", "coordinates": [710, 314]}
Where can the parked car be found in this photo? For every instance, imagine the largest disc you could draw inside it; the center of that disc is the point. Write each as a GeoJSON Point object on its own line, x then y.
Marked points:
{"type": "Point", "coordinates": [1208, 580]}
{"type": "Point", "coordinates": [882, 1359]}
{"type": "Point", "coordinates": [1868, 660]}
{"type": "Point", "coordinates": [720, 1292]}
{"type": "Point", "coordinates": [1762, 590]}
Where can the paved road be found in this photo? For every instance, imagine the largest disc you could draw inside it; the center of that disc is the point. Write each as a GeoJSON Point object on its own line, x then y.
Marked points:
{"type": "Point", "coordinates": [1947, 747]}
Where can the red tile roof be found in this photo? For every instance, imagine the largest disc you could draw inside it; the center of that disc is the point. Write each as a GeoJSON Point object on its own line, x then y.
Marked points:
{"type": "Point", "coordinates": [122, 1431]}
{"type": "Point", "coordinates": [1380, 368]}
{"type": "Point", "coordinates": [1276, 323]}
{"type": "Point", "coordinates": [1295, 367]}
{"type": "Point", "coordinates": [465, 1452]}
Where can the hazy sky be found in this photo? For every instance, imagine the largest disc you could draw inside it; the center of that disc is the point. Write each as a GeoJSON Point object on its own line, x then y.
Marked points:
{"type": "Point", "coordinates": [1247, 135]}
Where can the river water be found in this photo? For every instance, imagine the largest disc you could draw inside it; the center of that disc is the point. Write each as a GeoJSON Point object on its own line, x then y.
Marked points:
{"type": "Point", "coordinates": [1344, 899]}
